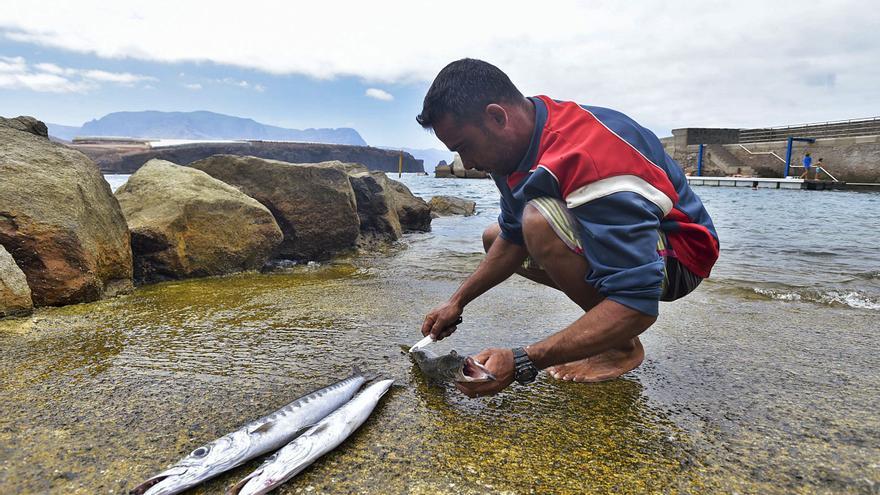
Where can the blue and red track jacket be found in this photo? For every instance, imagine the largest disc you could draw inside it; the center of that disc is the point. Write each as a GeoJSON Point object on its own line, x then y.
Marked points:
{"type": "Point", "coordinates": [623, 188]}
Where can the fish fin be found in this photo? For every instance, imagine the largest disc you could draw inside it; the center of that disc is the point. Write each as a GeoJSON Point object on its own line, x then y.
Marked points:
{"type": "Point", "coordinates": [263, 428]}
{"type": "Point", "coordinates": [320, 428]}
{"type": "Point", "coordinates": [368, 376]}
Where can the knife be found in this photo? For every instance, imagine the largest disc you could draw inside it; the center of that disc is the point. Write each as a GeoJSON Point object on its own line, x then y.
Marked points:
{"type": "Point", "coordinates": [428, 339]}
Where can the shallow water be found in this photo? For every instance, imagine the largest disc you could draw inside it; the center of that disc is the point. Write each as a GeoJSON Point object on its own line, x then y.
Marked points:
{"type": "Point", "coordinates": [739, 391]}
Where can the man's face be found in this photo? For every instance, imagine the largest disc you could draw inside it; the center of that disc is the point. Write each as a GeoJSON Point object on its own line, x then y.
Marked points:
{"type": "Point", "coordinates": [483, 146]}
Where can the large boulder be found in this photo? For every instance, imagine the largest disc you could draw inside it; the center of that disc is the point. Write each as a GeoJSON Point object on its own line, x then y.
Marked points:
{"type": "Point", "coordinates": [184, 223]}
{"type": "Point", "coordinates": [59, 219]}
{"type": "Point", "coordinates": [375, 207]}
{"type": "Point", "coordinates": [15, 295]}
{"type": "Point", "coordinates": [314, 205]}
{"type": "Point", "coordinates": [459, 171]}
{"type": "Point", "coordinates": [443, 171]}
{"type": "Point", "coordinates": [451, 205]}
{"type": "Point", "coordinates": [413, 212]}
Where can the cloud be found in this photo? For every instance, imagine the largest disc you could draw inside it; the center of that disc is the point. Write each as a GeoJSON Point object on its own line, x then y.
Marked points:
{"type": "Point", "coordinates": [45, 77]}
{"type": "Point", "coordinates": [123, 78]}
{"type": "Point", "coordinates": [379, 94]}
{"type": "Point", "coordinates": [667, 63]}
{"type": "Point", "coordinates": [193, 86]}
{"type": "Point", "coordinates": [240, 84]}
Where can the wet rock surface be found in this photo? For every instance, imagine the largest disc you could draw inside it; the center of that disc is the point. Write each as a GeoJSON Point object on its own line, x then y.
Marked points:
{"type": "Point", "coordinates": [413, 212]}
{"type": "Point", "coordinates": [451, 205]}
{"type": "Point", "coordinates": [184, 224]}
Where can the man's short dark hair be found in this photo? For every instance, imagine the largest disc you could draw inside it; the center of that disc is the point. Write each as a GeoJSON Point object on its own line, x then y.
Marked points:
{"type": "Point", "coordinates": [463, 89]}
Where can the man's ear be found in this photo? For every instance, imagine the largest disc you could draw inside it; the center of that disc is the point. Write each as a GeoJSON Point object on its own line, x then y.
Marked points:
{"type": "Point", "coordinates": [496, 114]}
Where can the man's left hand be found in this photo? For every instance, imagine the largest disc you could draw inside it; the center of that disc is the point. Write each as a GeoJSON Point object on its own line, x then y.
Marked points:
{"type": "Point", "coordinates": [500, 363]}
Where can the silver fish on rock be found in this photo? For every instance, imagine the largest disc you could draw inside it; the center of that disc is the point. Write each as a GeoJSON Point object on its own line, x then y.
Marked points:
{"type": "Point", "coordinates": [254, 439]}
{"type": "Point", "coordinates": [325, 436]}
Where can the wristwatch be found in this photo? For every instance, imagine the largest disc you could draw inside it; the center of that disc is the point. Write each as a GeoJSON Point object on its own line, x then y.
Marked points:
{"type": "Point", "coordinates": [524, 370]}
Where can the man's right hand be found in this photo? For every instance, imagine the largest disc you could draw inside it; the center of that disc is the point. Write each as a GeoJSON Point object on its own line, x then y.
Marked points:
{"type": "Point", "coordinates": [441, 321]}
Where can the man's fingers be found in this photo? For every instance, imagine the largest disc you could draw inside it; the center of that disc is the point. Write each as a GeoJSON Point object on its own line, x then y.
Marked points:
{"type": "Point", "coordinates": [427, 325]}
{"type": "Point", "coordinates": [446, 332]}
{"type": "Point", "coordinates": [440, 331]}
{"type": "Point", "coordinates": [483, 356]}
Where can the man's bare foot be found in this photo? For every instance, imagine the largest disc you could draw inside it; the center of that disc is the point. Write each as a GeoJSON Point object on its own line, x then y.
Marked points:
{"type": "Point", "coordinates": [606, 366]}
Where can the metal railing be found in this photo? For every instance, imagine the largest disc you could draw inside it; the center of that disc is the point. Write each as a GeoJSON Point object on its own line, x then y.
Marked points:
{"type": "Point", "coordinates": [829, 129]}
{"type": "Point", "coordinates": [762, 153]}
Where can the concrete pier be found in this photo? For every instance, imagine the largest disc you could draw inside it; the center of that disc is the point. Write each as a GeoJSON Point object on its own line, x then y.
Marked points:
{"type": "Point", "coordinates": [779, 183]}
{"type": "Point", "coordinates": [768, 183]}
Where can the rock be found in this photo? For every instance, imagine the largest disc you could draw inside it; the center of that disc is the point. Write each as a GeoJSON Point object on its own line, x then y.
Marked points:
{"type": "Point", "coordinates": [459, 171]}
{"type": "Point", "coordinates": [414, 213]}
{"type": "Point", "coordinates": [443, 171]}
{"type": "Point", "coordinates": [314, 205]}
{"type": "Point", "coordinates": [375, 206]}
{"type": "Point", "coordinates": [451, 205]}
{"type": "Point", "coordinates": [26, 124]}
{"type": "Point", "coordinates": [15, 295]}
{"type": "Point", "coordinates": [185, 223]}
{"type": "Point", "coordinates": [59, 219]}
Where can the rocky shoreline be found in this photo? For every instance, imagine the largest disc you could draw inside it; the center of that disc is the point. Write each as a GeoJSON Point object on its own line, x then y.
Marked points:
{"type": "Point", "coordinates": [65, 238]}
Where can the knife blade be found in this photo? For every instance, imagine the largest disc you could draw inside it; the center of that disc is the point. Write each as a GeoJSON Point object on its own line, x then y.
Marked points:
{"type": "Point", "coordinates": [430, 340]}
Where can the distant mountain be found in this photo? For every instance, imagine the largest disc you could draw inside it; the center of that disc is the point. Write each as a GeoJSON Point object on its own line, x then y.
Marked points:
{"type": "Point", "coordinates": [200, 125]}
{"type": "Point", "coordinates": [65, 132]}
{"type": "Point", "coordinates": [431, 156]}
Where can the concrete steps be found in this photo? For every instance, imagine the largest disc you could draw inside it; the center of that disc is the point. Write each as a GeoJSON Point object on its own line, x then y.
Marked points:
{"type": "Point", "coordinates": [722, 159]}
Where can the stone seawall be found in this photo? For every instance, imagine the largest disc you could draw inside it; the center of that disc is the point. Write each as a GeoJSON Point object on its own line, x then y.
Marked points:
{"type": "Point", "coordinates": [127, 159]}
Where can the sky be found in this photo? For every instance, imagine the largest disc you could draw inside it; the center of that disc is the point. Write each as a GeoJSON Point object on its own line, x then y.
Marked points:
{"type": "Point", "coordinates": [367, 65]}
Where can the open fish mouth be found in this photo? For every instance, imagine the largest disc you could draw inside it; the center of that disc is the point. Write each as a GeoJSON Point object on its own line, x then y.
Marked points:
{"type": "Point", "coordinates": [155, 480]}
{"type": "Point", "coordinates": [472, 371]}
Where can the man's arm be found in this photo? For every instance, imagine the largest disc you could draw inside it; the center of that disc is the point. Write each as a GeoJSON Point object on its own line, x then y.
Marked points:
{"type": "Point", "coordinates": [608, 324]}
{"type": "Point", "coordinates": [501, 261]}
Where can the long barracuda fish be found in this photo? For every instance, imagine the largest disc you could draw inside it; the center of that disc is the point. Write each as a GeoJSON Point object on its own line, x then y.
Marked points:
{"type": "Point", "coordinates": [253, 439]}
{"type": "Point", "coordinates": [452, 367]}
{"type": "Point", "coordinates": [313, 443]}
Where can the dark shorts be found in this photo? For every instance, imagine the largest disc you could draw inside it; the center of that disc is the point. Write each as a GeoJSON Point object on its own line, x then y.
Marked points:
{"type": "Point", "coordinates": [678, 281]}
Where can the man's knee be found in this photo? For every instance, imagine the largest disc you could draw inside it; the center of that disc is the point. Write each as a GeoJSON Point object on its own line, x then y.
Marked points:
{"type": "Point", "coordinates": [489, 235]}
{"type": "Point", "coordinates": [536, 229]}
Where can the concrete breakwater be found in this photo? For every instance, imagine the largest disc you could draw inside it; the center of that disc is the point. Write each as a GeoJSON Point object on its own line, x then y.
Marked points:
{"type": "Point", "coordinates": [115, 156]}
{"type": "Point", "coordinates": [850, 151]}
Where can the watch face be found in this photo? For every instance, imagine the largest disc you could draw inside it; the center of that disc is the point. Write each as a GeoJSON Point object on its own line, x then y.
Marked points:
{"type": "Point", "coordinates": [526, 375]}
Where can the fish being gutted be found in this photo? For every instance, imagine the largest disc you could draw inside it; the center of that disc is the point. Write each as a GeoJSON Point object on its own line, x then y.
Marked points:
{"type": "Point", "coordinates": [451, 367]}
{"type": "Point", "coordinates": [253, 439]}
{"type": "Point", "coordinates": [325, 436]}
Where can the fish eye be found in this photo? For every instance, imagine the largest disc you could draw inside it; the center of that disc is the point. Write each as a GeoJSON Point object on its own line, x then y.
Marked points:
{"type": "Point", "coordinates": [200, 452]}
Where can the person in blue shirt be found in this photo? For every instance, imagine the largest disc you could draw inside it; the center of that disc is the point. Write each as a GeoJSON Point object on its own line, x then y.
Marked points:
{"type": "Point", "coordinates": [808, 162]}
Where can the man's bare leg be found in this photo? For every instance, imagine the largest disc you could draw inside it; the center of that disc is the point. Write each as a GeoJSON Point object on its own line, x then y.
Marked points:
{"type": "Point", "coordinates": [566, 271]}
